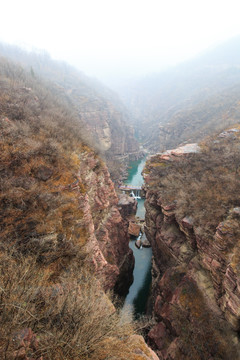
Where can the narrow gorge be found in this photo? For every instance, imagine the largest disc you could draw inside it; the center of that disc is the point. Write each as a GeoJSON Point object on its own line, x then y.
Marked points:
{"type": "Point", "coordinates": [137, 296]}
{"type": "Point", "coordinates": [110, 249]}
{"type": "Point", "coordinates": [64, 239]}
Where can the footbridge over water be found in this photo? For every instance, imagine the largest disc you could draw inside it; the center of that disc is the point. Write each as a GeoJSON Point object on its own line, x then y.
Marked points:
{"type": "Point", "coordinates": [132, 190]}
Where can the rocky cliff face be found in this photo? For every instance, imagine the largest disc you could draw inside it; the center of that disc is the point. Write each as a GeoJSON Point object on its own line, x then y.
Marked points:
{"type": "Point", "coordinates": [106, 124]}
{"type": "Point", "coordinates": [108, 241]}
{"type": "Point", "coordinates": [51, 196]}
{"type": "Point", "coordinates": [75, 203]}
{"type": "Point", "coordinates": [196, 298]}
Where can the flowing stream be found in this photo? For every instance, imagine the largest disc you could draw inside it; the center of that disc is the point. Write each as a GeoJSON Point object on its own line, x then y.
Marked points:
{"type": "Point", "coordinates": [139, 290]}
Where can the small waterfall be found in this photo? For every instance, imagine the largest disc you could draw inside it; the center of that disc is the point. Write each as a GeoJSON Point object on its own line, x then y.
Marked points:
{"type": "Point", "coordinates": [135, 195]}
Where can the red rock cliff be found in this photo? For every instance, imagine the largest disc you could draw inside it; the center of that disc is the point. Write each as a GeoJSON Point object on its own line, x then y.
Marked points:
{"type": "Point", "coordinates": [196, 297]}
{"type": "Point", "coordinates": [108, 242]}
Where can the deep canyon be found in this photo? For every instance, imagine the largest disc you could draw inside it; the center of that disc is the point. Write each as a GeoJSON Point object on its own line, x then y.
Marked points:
{"type": "Point", "coordinates": [67, 143]}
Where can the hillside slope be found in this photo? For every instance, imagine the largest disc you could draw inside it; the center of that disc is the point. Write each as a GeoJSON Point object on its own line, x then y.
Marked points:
{"type": "Point", "coordinates": [63, 243]}
{"type": "Point", "coordinates": [105, 119]}
{"type": "Point", "coordinates": [178, 105]}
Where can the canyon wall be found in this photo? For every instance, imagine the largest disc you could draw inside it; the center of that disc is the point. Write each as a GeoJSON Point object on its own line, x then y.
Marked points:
{"type": "Point", "coordinates": [195, 290]}
{"type": "Point", "coordinates": [55, 189]}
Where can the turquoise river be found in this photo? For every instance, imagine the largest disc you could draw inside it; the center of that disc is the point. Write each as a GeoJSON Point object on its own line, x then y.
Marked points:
{"type": "Point", "coordinates": [138, 292]}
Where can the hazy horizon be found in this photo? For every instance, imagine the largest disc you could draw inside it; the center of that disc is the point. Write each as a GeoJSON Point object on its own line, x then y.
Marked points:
{"type": "Point", "coordinates": [113, 40]}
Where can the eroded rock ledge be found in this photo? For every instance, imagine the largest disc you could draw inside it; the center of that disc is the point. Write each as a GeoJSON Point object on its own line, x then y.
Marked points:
{"type": "Point", "coordinates": [196, 279]}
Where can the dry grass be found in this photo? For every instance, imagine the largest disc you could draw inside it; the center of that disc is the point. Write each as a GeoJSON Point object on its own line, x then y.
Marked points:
{"type": "Point", "coordinates": [45, 284]}
{"type": "Point", "coordinates": [201, 334]}
{"type": "Point", "coordinates": [73, 318]}
{"type": "Point", "coordinates": [40, 143]}
{"type": "Point", "coordinates": [205, 185]}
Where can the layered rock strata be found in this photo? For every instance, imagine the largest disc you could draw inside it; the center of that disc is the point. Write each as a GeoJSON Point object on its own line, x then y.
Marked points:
{"type": "Point", "coordinates": [195, 278]}
{"type": "Point", "coordinates": [108, 241]}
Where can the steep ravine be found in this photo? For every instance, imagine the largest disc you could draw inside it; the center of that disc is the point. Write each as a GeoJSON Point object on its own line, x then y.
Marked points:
{"type": "Point", "coordinates": [196, 298]}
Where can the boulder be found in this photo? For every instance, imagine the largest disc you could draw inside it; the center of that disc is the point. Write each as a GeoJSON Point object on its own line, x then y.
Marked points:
{"type": "Point", "coordinates": [145, 242]}
{"type": "Point", "coordinates": [127, 205]}
{"type": "Point", "coordinates": [140, 348]}
{"type": "Point", "coordinates": [187, 222]}
{"type": "Point", "coordinates": [138, 243]}
{"type": "Point", "coordinates": [134, 229]}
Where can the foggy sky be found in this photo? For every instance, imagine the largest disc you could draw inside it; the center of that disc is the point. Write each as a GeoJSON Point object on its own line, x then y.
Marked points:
{"type": "Point", "coordinates": [114, 38]}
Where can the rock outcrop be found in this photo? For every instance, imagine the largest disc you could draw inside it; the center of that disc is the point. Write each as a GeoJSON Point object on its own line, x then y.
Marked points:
{"type": "Point", "coordinates": [140, 349]}
{"type": "Point", "coordinates": [134, 229]}
{"type": "Point", "coordinates": [108, 241]}
{"type": "Point", "coordinates": [195, 292]}
{"type": "Point", "coordinates": [127, 206]}
{"type": "Point", "coordinates": [105, 120]}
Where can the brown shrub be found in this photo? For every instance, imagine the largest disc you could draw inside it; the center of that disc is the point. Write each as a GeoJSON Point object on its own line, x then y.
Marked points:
{"type": "Point", "coordinates": [206, 185]}
{"type": "Point", "coordinates": [72, 319]}
{"type": "Point", "coordinates": [201, 334]}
